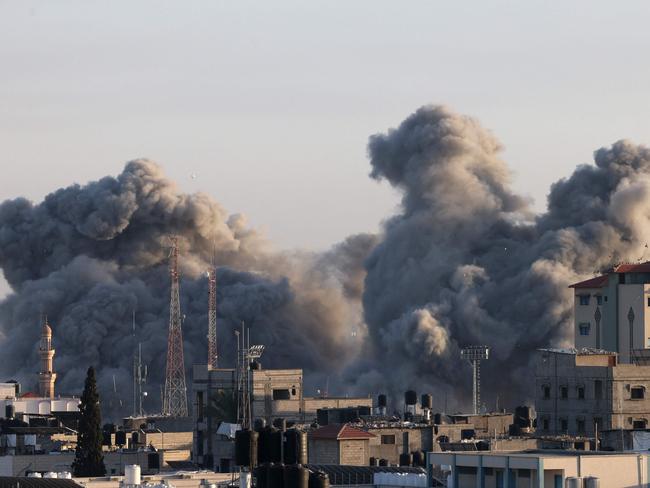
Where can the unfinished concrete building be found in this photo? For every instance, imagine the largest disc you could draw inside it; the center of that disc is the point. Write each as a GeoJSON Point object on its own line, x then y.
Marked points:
{"type": "Point", "coordinates": [579, 391]}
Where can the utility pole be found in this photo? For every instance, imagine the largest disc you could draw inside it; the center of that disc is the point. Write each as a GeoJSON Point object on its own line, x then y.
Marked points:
{"type": "Point", "coordinates": [175, 396]}
{"type": "Point", "coordinates": [474, 354]}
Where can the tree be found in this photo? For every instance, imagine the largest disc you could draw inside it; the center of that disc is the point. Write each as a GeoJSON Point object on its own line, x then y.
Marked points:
{"type": "Point", "coordinates": [89, 460]}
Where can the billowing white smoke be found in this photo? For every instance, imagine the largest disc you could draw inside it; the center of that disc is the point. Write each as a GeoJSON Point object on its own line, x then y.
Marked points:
{"type": "Point", "coordinates": [464, 262]}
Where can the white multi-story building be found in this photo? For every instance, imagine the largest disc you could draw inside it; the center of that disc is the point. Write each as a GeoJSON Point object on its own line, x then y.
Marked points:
{"type": "Point", "coordinates": [612, 311]}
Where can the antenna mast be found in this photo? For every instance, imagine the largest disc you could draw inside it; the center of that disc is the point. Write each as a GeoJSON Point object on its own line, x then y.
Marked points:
{"type": "Point", "coordinates": [213, 355]}
{"type": "Point", "coordinates": [175, 396]}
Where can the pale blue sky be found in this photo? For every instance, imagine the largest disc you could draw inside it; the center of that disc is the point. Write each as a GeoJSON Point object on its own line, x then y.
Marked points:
{"type": "Point", "coordinates": [270, 103]}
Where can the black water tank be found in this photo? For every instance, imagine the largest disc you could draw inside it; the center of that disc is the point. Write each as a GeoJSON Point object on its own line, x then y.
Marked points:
{"type": "Point", "coordinates": [322, 416]}
{"type": "Point", "coordinates": [419, 459]}
{"type": "Point", "coordinates": [406, 459]}
{"type": "Point", "coordinates": [135, 438]}
{"type": "Point", "coordinates": [10, 411]}
{"type": "Point", "coordinates": [269, 445]}
{"type": "Point", "coordinates": [246, 442]}
{"type": "Point", "coordinates": [153, 460]}
{"type": "Point", "coordinates": [260, 424]}
{"type": "Point", "coordinates": [120, 438]}
{"type": "Point", "coordinates": [256, 365]}
{"type": "Point", "coordinates": [318, 479]}
{"type": "Point", "coordinates": [363, 410]}
{"type": "Point", "coordinates": [410, 397]}
{"type": "Point", "coordinates": [276, 476]}
{"type": "Point", "coordinates": [262, 476]}
{"type": "Point", "coordinates": [296, 476]}
{"type": "Point", "coordinates": [381, 400]}
{"type": "Point", "coordinates": [295, 447]}
{"type": "Point", "coordinates": [437, 419]}
{"type": "Point", "coordinates": [427, 401]}
{"type": "Point", "coordinates": [280, 424]}
{"type": "Point", "coordinates": [374, 461]}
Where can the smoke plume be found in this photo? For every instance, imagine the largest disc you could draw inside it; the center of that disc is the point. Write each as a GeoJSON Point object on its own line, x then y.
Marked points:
{"type": "Point", "coordinates": [464, 261]}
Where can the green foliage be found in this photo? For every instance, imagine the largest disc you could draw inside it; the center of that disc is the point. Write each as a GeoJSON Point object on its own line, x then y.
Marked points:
{"type": "Point", "coordinates": [89, 460]}
{"type": "Point", "coordinates": [223, 406]}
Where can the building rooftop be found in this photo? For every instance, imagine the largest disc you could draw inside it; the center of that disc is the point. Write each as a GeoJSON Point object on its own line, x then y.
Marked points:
{"type": "Point", "coordinates": [597, 282]}
{"type": "Point", "coordinates": [340, 431]}
{"type": "Point", "coordinates": [583, 351]}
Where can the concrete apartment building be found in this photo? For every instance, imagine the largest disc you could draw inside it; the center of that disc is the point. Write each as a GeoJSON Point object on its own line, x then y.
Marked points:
{"type": "Point", "coordinates": [612, 311]}
{"type": "Point", "coordinates": [539, 469]}
{"type": "Point", "coordinates": [577, 390]}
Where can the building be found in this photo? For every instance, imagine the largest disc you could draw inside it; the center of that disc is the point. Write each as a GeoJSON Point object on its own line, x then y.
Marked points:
{"type": "Point", "coordinates": [340, 444]}
{"type": "Point", "coordinates": [612, 311]}
{"type": "Point", "coordinates": [575, 391]}
{"type": "Point", "coordinates": [539, 469]}
{"type": "Point", "coordinates": [275, 394]}
{"type": "Point", "coordinates": [390, 441]}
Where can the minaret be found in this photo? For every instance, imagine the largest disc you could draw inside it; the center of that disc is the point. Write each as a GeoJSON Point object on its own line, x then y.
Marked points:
{"type": "Point", "coordinates": [47, 376]}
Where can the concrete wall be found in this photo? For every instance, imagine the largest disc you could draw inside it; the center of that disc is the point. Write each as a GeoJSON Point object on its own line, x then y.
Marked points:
{"type": "Point", "coordinates": [323, 451]}
{"type": "Point", "coordinates": [420, 438]}
{"type": "Point", "coordinates": [354, 452]}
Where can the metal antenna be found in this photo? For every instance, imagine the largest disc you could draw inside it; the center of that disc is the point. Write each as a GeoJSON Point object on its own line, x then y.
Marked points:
{"type": "Point", "coordinates": [213, 355]}
{"type": "Point", "coordinates": [246, 354]}
{"type": "Point", "coordinates": [139, 376]}
{"type": "Point", "coordinates": [175, 396]}
{"type": "Point", "coordinates": [474, 354]}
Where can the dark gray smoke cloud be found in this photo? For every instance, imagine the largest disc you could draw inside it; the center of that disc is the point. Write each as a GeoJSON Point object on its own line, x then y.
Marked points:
{"type": "Point", "coordinates": [88, 256]}
{"type": "Point", "coordinates": [464, 261]}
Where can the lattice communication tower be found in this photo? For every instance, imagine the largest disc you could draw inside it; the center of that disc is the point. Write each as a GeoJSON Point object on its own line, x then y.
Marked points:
{"type": "Point", "coordinates": [175, 394]}
{"type": "Point", "coordinates": [474, 354]}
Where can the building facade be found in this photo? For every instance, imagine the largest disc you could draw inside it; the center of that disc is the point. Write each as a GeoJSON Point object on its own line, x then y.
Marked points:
{"type": "Point", "coordinates": [577, 392]}
{"type": "Point", "coordinates": [340, 444]}
{"type": "Point", "coordinates": [612, 311]}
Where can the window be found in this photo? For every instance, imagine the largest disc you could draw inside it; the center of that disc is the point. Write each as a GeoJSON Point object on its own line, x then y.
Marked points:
{"type": "Point", "coordinates": [564, 425]}
{"type": "Point", "coordinates": [580, 425]}
{"type": "Point", "coordinates": [605, 297]}
{"type": "Point", "coordinates": [598, 389]}
{"type": "Point", "coordinates": [639, 424]}
{"type": "Point", "coordinates": [599, 299]}
{"type": "Point", "coordinates": [545, 424]}
{"type": "Point", "coordinates": [546, 390]}
{"type": "Point", "coordinates": [581, 393]}
{"type": "Point", "coordinates": [564, 392]}
{"type": "Point", "coordinates": [584, 299]}
{"type": "Point", "coordinates": [388, 439]}
{"type": "Point", "coordinates": [293, 391]}
{"type": "Point", "coordinates": [281, 395]}
{"type": "Point", "coordinates": [637, 393]}
{"type": "Point", "coordinates": [648, 301]}
{"type": "Point", "coordinates": [584, 328]}
{"type": "Point", "coordinates": [523, 473]}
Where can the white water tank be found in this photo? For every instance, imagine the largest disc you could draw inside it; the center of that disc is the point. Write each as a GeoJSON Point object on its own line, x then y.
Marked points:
{"type": "Point", "coordinates": [50, 474]}
{"type": "Point", "coordinates": [65, 475]}
{"type": "Point", "coordinates": [34, 474]}
{"type": "Point", "coordinates": [573, 482]}
{"type": "Point", "coordinates": [592, 482]}
{"type": "Point", "coordinates": [132, 474]}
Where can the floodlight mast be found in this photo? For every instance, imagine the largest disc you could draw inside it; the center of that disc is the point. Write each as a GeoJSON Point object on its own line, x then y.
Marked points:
{"type": "Point", "coordinates": [474, 354]}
